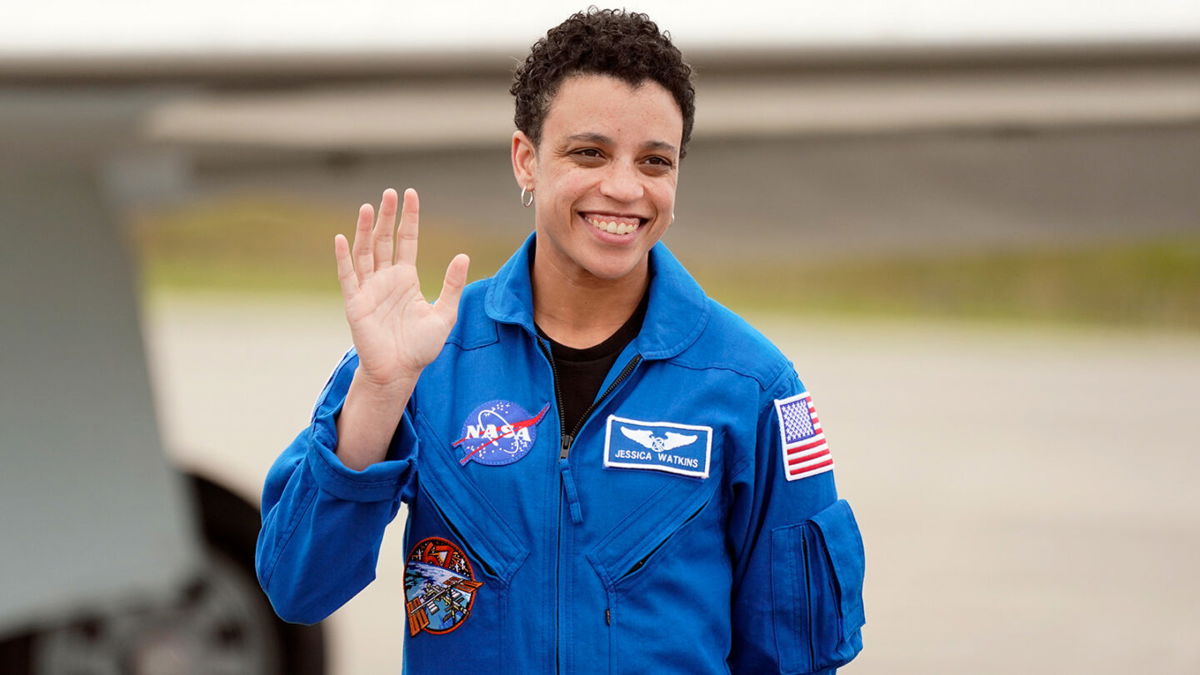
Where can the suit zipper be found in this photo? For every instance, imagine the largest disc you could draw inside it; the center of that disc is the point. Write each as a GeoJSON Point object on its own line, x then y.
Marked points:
{"type": "Point", "coordinates": [566, 440]}
{"type": "Point", "coordinates": [564, 443]}
{"type": "Point", "coordinates": [621, 377]}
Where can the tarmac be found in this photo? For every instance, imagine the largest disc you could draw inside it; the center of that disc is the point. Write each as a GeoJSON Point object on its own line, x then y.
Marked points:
{"type": "Point", "coordinates": [1025, 493]}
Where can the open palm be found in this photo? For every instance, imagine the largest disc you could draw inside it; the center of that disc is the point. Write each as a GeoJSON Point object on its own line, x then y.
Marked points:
{"type": "Point", "coordinates": [396, 332]}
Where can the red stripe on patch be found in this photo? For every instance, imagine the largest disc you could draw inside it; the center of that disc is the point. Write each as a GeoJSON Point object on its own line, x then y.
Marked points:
{"type": "Point", "coordinates": [807, 446]}
{"type": "Point", "coordinates": [811, 456]}
{"type": "Point", "coordinates": [810, 469]}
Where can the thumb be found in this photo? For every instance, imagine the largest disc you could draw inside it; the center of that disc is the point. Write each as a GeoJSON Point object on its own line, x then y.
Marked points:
{"type": "Point", "coordinates": [446, 304]}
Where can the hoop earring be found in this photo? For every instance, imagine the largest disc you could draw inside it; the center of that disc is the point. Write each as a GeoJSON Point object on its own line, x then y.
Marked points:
{"type": "Point", "coordinates": [526, 202]}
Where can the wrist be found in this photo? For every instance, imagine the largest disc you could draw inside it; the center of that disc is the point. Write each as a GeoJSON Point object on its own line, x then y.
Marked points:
{"type": "Point", "coordinates": [386, 390]}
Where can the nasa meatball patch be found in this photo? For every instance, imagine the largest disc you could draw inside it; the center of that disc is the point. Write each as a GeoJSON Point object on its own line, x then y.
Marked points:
{"type": "Point", "coordinates": [498, 432]}
{"type": "Point", "coordinates": [684, 449]}
{"type": "Point", "coordinates": [439, 586]}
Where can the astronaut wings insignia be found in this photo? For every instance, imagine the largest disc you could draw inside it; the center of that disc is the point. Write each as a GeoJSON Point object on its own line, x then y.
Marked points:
{"type": "Point", "coordinates": [648, 440]}
{"type": "Point", "coordinates": [658, 446]}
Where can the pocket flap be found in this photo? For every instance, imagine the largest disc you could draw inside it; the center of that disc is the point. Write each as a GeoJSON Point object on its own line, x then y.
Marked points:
{"type": "Point", "coordinates": [647, 527]}
{"type": "Point", "coordinates": [843, 542]}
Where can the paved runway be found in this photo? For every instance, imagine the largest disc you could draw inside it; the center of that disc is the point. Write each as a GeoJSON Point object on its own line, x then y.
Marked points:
{"type": "Point", "coordinates": [1026, 496]}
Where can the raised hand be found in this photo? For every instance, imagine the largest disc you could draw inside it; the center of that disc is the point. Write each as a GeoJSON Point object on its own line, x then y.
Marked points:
{"type": "Point", "coordinates": [395, 330]}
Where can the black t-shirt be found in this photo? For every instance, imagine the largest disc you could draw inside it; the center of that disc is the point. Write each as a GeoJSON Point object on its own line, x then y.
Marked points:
{"type": "Point", "coordinates": [582, 371]}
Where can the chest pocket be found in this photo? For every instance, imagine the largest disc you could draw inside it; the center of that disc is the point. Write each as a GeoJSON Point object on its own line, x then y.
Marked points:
{"type": "Point", "coordinates": [633, 541]}
{"type": "Point", "coordinates": [481, 527]}
{"type": "Point", "coordinates": [664, 578]}
{"type": "Point", "coordinates": [455, 601]}
{"type": "Point", "coordinates": [467, 621]}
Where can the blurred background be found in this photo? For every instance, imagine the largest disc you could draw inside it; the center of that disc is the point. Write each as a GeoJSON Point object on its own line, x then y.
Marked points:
{"type": "Point", "coordinates": [974, 229]}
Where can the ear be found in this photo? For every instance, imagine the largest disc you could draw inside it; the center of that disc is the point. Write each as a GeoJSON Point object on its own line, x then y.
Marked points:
{"type": "Point", "coordinates": [524, 159]}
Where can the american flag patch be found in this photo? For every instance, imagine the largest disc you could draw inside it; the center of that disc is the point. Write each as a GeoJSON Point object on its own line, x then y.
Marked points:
{"type": "Point", "coordinates": [805, 452]}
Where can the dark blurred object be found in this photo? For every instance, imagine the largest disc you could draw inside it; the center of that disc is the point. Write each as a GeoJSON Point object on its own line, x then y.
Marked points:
{"type": "Point", "coordinates": [220, 620]}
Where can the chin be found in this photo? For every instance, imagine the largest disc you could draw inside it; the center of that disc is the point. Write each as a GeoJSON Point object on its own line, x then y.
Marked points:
{"type": "Point", "coordinates": [613, 268]}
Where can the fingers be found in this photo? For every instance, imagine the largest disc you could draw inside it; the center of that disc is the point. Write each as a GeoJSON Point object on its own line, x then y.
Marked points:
{"type": "Point", "coordinates": [384, 230]}
{"type": "Point", "coordinates": [407, 233]}
{"type": "Point", "coordinates": [364, 260]}
{"type": "Point", "coordinates": [373, 244]}
{"type": "Point", "coordinates": [452, 286]}
{"type": "Point", "coordinates": [345, 268]}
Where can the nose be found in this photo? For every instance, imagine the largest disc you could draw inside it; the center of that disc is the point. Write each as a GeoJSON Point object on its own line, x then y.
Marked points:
{"type": "Point", "coordinates": [622, 182]}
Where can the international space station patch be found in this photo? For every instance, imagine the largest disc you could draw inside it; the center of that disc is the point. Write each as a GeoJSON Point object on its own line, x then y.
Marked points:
{"type": "Point", "coordinates": [498, 432]}
{"type": "Point", "coordinates": [659, 446]}
{"type": "Point", "coordinates": [439, 586]}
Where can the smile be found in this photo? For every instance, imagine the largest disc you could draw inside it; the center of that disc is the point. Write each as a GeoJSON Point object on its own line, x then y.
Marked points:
{"type": "Point", "coordinates": [613, 224]}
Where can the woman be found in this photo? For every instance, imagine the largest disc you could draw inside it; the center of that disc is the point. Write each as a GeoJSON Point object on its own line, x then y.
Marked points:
{"type": "Point", "coordinates": [606, 471]}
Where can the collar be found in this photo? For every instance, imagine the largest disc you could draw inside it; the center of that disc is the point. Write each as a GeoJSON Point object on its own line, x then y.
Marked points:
{"type": "Point", "coordinates": [676, 311]}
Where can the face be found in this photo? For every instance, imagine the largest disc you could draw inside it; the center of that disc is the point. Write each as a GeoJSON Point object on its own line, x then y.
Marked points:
{"type": "Point", "coordinates": [603, 176]}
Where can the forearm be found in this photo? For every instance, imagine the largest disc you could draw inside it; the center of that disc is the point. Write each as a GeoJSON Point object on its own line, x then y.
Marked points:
{"type": "Point", "coordinates": [368, 420]}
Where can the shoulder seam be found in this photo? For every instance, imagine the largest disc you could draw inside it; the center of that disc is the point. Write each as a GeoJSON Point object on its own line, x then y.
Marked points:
{"type": "Point", "coordinates": [764, 382]}
{"type": "Point", "coordinates": [770, 409]}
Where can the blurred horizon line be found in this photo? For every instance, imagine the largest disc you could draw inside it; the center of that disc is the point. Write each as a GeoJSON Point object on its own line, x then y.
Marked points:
{"type": "Point", "coordinates": [312, 65]}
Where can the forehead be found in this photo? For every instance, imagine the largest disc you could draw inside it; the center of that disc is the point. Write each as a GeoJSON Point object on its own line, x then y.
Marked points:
{"type": "Point", "coordinates": [611, 107]}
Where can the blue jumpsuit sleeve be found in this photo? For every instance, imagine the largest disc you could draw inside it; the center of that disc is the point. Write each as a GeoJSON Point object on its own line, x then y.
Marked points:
{"type": "Point", "coordinates": [798, 559]}
{"type": "Point", "coordinates": [322, 521]}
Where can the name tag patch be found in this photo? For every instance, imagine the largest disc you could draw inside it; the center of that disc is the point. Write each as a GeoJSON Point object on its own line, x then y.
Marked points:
{"type": "Point", "coordinates": [684, 449]}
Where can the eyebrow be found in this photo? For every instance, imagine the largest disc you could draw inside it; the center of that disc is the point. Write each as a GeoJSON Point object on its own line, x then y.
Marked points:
{"type": "Point", "coordinates": [593, 137]}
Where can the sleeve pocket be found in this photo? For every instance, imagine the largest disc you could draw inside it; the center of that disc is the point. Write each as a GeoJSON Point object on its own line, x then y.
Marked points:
{"type": "Point", "coordinates": [817, 570]}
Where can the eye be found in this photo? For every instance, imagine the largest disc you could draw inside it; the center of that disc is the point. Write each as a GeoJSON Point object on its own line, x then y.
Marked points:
{"type": "Point", "coordinates": [659, 162]}
{"type": "Point", "coordinates": [588, 152]}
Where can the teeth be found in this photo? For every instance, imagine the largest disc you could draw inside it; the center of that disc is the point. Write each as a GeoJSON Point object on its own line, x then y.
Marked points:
{"type": "Point", "coordinates": [613, 227]}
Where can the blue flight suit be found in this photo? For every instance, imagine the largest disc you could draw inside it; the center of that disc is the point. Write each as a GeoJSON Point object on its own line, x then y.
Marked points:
{"type": "Point", "coordinates": [663, 536]}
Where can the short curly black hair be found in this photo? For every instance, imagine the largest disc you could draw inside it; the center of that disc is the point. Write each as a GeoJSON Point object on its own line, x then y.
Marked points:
{"type": "Point", "coordinates": [624, 45]}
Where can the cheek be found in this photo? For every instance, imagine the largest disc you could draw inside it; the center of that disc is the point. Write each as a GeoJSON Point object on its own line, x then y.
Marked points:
{"type": "Point", "coordinates": [664, 194]}
{"type": "Point", "coordinates": [568, 186]}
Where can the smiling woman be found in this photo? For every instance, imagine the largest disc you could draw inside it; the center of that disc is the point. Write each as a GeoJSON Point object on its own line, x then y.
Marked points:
{"type": "Point", "coordinates": [604, 182]}
{"type": "Point", "coordinates": [675, 472]}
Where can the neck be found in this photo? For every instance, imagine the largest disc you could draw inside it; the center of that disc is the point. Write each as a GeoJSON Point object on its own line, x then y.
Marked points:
{"type": "Point", "coordinates": [579, 310]}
